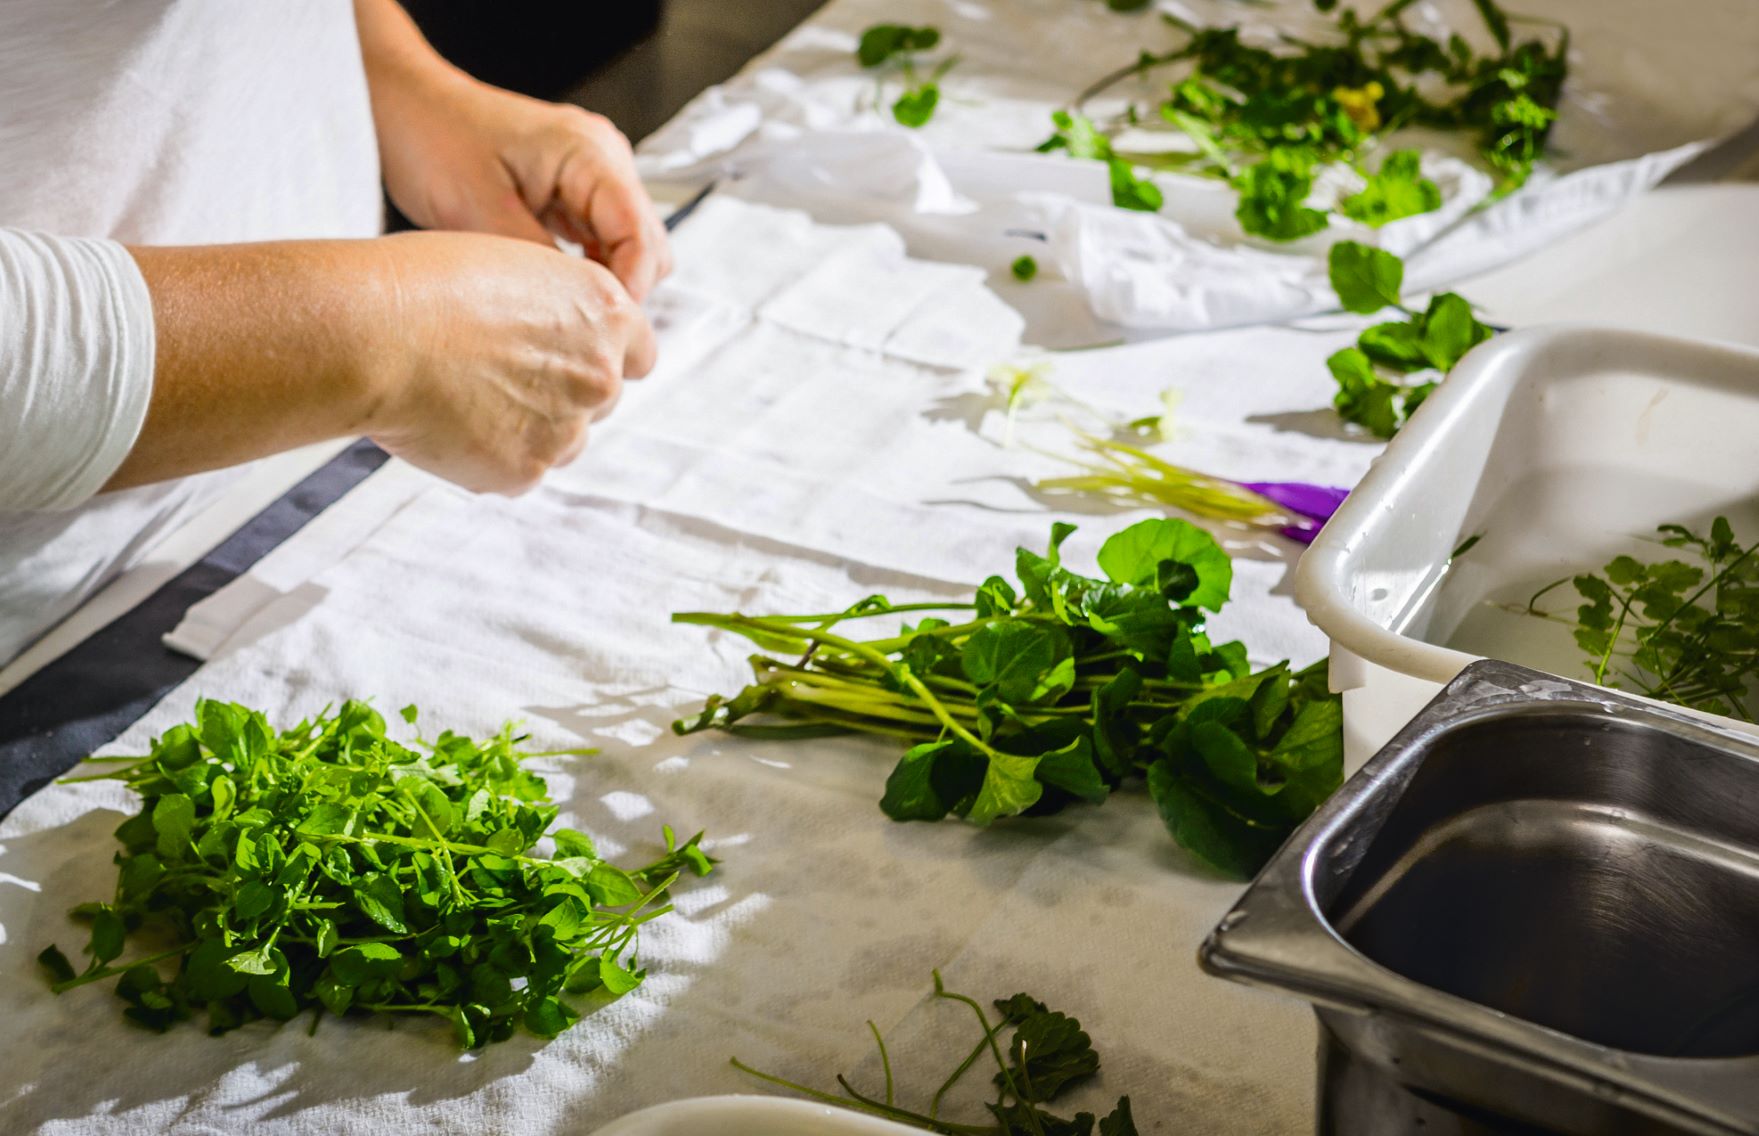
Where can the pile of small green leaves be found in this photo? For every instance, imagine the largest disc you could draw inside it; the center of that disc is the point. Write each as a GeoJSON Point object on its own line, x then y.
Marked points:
{"type": "Point", "coordinates": [328, 867]}
{"type": "Point", "coordinates": [1684, 631]}
{"type": "Point", "coordinates": [887, 48]}
{"type": "Point", "coordinates": [1395, 365]}
{"type": "Point", "coordinates": [1061, 691]}
{"type": "Point", "coordinates": [1267, 120]}
{"type": "Point", "coordinates": [1048, 1054]}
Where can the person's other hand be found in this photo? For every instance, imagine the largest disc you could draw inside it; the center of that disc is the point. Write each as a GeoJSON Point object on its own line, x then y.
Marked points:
{"type": "Point", "coordinates": [501, 355]}
{"type": "Point", "coordinates": [459, 154]}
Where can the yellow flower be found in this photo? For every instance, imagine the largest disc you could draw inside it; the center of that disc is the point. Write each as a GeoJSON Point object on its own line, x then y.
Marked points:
{"type": "Point", "coordinates": [1360, 104]}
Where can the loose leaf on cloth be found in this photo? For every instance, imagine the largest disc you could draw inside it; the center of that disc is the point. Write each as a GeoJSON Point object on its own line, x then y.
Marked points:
{"type": "Point", "coordinates": [329, 867]}
{"type": "Point", "coordinates": [1048, 1054]}
{"type": "Point", "coordinates": [1395, 191]}
{"type": "Point", "coordinates": [898, 47]}
{"type": "Point", "coordinates": [1077, 134]}
{"type": "Point", "coordinates": [1061, 689]}
{"type": "Point", "coordinates": [1268, 119]}
{"type": "Point", "coordinates": [1376, 387]}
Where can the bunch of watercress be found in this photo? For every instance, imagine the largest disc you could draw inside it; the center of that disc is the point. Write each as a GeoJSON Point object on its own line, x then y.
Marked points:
{"type": "Point", "coordinates": [1268, 119]}
{"type": "Point", "coordinates": [329, 867]}
{"type": "Point", "coordinates": [1061, 690]}
{"type": "Point", "coordinates": [1394, 365]}
{"type": "Point", "coordinates": [1684, 631]}
{"type": "Point", "coordinates": [885, 48]}
{"type": "Point", "coordinates": [1047, 1055]}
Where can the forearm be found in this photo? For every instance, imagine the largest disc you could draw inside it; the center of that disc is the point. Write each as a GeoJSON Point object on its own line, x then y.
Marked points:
{"type": "Point", "coordinates": [400, 64]}
{"type": "Point", "coordinates": [261, 348]}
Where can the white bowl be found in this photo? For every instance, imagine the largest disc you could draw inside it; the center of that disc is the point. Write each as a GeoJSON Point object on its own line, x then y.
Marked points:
{"type": "Point", "coordinates": [750, 1116]}
{"type": "Point", "coordinates": [1560, 447]}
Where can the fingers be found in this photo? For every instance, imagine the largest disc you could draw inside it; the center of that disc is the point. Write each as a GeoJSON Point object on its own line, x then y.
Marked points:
{"type": "Point", "coordinates": [640, 351]}
{"type": "Point", "coordinates": [599, 192]}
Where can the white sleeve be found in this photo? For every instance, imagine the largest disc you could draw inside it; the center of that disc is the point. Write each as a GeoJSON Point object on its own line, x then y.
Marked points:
{"type": "Point", "coordinates": [76, 366]}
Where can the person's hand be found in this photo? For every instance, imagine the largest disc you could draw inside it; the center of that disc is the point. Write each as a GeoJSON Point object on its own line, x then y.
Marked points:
{"type": "Point", "coordinates": [459, 154]}
{"type": "Point", "coordinates": [501, 355]}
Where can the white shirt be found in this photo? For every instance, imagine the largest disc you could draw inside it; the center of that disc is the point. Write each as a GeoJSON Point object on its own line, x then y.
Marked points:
{"type": "Point", "coordinates": [159, 122]}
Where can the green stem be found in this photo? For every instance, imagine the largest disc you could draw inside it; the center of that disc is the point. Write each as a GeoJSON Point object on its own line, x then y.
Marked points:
{"type": "Point", "coordinates": [111, 971]}
{"type": "Point", "coordinates": [862, 1105]}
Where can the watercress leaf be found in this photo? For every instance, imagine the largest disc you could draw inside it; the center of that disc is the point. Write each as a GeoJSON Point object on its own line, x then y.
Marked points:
{"type": "Point", "coordinates": [616, 978]}
{"type": "Point", "coordinates": [1119, 1122]}
{"type": "Point", "coordinates": [174, 822]}
{"type": "Point", "coordinates": [1207, 827]}
{"type": "Point", "coordinates": [1449, 330]}
{"type": "Point", "coordinates": [260, 960]}
{"type": "Point", "coordinates": [362, 962]}
{"type": "Point", "coordinates": [1495, 20]}
{"type": "Point", "coordinates": [911, 792]}
{"type": "Point", "coordinates": [572, 842]}
{"type": "Point", "coordinates": [1131, 190]}
{"type": "Point", "coordinates": [324, 938]}
{"type": "Point", "coordinates": [138, 874]}
{"type": "Point", "coordinates": [55, 963]}
{"type": "Point", "coordinates": [1273, 192]}
{"type": "Point", "coordinates": [612, 887]}
{"type": "Point", "coordinates": [333, 995]}
{"type": "Point", "coordinates": [381, 899]}
{"type": "Point", "coordinates": [1365, 278]}
{"type": "Point", "coordinates": [1270, 700]}
{"type": "Point", "coordinates": [1309, 756]}
{"type": "Point", "coordinates": [1049, 1053]}
{"type": "Point", "coordinates": [1115, 737]}
{"type": "Point", "coordinates": [1396, 345]}
{"type": "Point", "coordinates": [995, 596]}
{"type": "Point", "coordinates": [207, 975]}
{"type": "Point", "coordinates": [550, 1017]}
{"type": "Point", "coordinates": [1363, 396]}
{"type": "Point", "coordinates": [1072, 770]}
{"type": "Point", "coordinates": [1396, 190]}
{"type": "Point", "coordinates": [1226, 755]}
{"type": "Point", "coordinates": [1138, 556]}
{"type": "Point", "coordinates": [917, 105]}
{"type": "Point", "coordinates": [1018, 1008]}
{"type": "Point", "coordinates": [329, 818]}
{"type": "Point", "coordinates": [1023, 269]}
{"type": "Point", "coordinates": [1009, 788]}
{"type": "Point", "coordinates": [1080, 137]}
{"type": "Point", "coordinates": [883, 42]}
{"type": "Point", "coordinates": [254, 898]}
{"type": "Point", "coordinates": [1024, 662]}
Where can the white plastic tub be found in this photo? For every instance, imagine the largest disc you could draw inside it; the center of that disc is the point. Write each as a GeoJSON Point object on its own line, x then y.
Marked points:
{"type": "Point", "coordinates": [750, 1116]}
{"type": "Point", "coordinates": [1560, 448]}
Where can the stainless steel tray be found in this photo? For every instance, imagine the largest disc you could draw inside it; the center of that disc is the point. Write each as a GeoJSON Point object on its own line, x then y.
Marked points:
{"type": "Point", "coordinates": [1537, 909]}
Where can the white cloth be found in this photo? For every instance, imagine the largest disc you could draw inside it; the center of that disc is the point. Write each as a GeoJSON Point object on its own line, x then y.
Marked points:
{"type": "Point", "coordinates": [170, 122]}
{"type": "Point", "coordinates": [553, 609]}
{"type": "Point", "coordinates": [76, 369]}
{"type": "Point", "coordinates": [772, 462]}
{"type": "Point", "coordinates": [1651, 86]}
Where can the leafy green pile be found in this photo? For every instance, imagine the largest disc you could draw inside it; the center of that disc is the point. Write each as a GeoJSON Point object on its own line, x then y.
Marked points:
{"type": "Point", "coordinates": [898, 47]}
{"type": "Point", "coordinates": [1395, 365]}
{"type": "Point", "coordinates": [329, 867]}
{"type": "Point", "coordinates": [1048, 1054]}
{"type": "Point", "coordinates": [1684, 631]}
{"type": "Point", "coordinates": [1061, 691]}
{"type": "Point", "coordinates": [1267, 120]}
